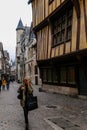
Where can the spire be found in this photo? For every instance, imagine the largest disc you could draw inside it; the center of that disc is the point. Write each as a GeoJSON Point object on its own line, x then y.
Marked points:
{"type": "Point", "coordinates": [20, 25]}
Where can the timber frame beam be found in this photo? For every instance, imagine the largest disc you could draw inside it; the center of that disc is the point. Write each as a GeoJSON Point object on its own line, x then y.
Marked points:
{"type": "Point", "coordinates": [77, 7]}
{"type": "Point", "coordinates": [78, 12]}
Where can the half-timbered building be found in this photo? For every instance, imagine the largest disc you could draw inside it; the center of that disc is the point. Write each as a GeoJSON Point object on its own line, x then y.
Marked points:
{"type": "Point", "coordinates": [61, 31]}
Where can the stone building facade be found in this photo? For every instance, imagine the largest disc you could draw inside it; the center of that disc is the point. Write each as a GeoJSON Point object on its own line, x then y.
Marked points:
{"type": "Point", "coordinates": [26, 54]}
{"type": "Point", "coordinates": [31, 63]}
{"type": "Point", "coordinates": [19, 32]}
{"type": "Point", "coordinates": [2, 63]}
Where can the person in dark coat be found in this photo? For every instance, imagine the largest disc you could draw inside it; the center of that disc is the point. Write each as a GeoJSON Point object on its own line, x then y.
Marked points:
{"type": "Point", "coordinates": [8, 82]}
{"type": "Point", "coordinates": [25, 89]}
{"type": "Point", "coordinates": [0, 84]}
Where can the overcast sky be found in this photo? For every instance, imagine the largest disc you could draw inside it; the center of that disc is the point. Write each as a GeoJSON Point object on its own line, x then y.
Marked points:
{"type": "Point", "coordinates": [10, 13]}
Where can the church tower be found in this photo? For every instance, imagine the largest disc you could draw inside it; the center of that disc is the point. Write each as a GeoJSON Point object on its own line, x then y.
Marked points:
{"type": "Point", "coordinates": [19, 32]}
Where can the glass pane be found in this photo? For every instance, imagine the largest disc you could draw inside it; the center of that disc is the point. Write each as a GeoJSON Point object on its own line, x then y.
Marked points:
{"type": "Point", "coordinates": [59, 27]}
{"type": "Point", "coordinates": [63, 75]}
{"type": "Point", "coordinates": [63, 25]}
{"type": "Point", "coordinates": [59, 37]}
{"type": "Point", "coordinates": [70, 12]}
{"type": "Point", "coordinates": [44, 75]}
{"type": "Point", "coordinates": [63, 21]}
{"type": "Point", "coordinates": [55, 26]}
{"type": "Point", "coordinates": [68, 33]}
{"type": "Point", "coordinates": [55, 23]}
{"type": "Point", "coordinates": [49, 75]}
{"type": "Point", "coordinates": [55, 76]}
{"type": "Point", "coordinates": [63, 36]}
{"type": "Point", "coordinates": [69, 21]}
{"type": "Point", "coordinates": [55, 30]}
{"type": "Point", "coordinates": [55, 39]}
{"type": "Point", "coordinates": [64, 17]}
{"type": "Point", "coordinates": [71, 75]}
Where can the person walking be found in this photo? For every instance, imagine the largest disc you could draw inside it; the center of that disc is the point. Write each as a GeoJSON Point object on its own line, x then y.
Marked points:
{"type": "Point", "coordinates": [24, 90]}
{"type": "Point", "coordinates": [3, 83]}
{"type": "Point", "coordinates": [8, 82]}
{"type": "Point", "coordinates": [0, 84]}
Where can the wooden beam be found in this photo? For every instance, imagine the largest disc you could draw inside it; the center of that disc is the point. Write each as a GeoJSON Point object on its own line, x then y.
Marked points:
{"type": "Point", "coordinates": [77, 7]}
{"type": "Point", "coordinates": [85, 17]}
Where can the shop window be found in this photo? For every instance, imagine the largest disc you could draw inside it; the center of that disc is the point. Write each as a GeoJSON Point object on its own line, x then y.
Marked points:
{"type": "Point", "coordinates": [49, 75]}
{"type": "Point", "coordinates": [67, 75]}
{"type": "Point", "coordinates": [44, 75]}
{"type": "Point", "coordinates": [63, 75]}
{"type": "Point", "coordinates": [71, 75]}
{"type": "Point", "coordinates": [55, 76]}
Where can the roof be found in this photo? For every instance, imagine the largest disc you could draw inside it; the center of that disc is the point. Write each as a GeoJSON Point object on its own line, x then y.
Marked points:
{"type": "Point", "coordinates": [20, 25]}
{"type": "Point", "coordinates": [30, 1]}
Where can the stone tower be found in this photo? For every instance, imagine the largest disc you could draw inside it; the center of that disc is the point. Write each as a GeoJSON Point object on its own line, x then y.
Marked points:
{"type": "Point", "coordinates": [19, 32]}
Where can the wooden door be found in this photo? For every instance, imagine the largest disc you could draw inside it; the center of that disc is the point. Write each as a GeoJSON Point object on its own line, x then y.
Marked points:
{"type": "Point", "coordinates": [83, 82]}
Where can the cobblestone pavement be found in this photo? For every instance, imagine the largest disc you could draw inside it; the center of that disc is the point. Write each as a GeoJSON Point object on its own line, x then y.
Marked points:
{"type": "Point", "coordinates": [11, 115]}
{"type": "Point", "coordinates": [61, 112]}
{"type": "Point", "coordinates": [55, 112]}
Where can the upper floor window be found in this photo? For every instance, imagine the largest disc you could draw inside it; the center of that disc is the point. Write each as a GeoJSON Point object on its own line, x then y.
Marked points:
{"type": "Point", "coordinates": [62, 26]}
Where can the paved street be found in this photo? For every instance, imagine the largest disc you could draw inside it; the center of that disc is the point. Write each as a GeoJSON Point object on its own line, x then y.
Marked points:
{"type": "Point", "coordinates": [55, 112]}
{"type": "Point", "coordinates": [10, 110]}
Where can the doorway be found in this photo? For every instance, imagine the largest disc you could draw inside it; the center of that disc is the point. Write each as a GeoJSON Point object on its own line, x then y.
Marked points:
{"type": "Point", "coordinates": [83, 82]}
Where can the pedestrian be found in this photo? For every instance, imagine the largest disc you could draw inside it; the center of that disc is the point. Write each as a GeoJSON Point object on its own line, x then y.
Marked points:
{"type": "Point", "coordinates": [8, 82]}
{"type": "Point", "coordinates": [25, 89]}
{"type": "Point", "coordinates": [0, 84]}
{"type": "Point", "coordinates": [3, 83]}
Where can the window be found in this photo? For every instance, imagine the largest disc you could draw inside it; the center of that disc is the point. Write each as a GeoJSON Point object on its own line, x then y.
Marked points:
{"type": "Point", "coordinates": [62, 26]}
{"type": "Point", "coordinates": [63, 75]}
{"type": "Point", "coordinates": [59, 75]}
{"type": "Point", "coordinates": [49, 75]}
{"type": "Point", "coordinates": [67, 75]}
{"type": "Point", "coordinates": [44, 71]}
{"type": "Point", "coordinates": [71, 75]}
{"type": "Point", "coordinates": [55, 76]}
{"type": "Point", "coordinates": [36, 69]}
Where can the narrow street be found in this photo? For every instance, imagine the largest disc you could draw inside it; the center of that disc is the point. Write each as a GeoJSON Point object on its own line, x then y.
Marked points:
{"type": "Point", "coordinates": [10, 110]}
{"type": "Point", "coordinates": [55, 112]}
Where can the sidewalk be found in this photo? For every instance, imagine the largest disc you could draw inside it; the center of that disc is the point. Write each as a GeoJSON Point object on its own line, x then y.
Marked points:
{"type": "Point", "coordinates": [11, 114]}
{"type": "Point", "coordinates": [58, 112]}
